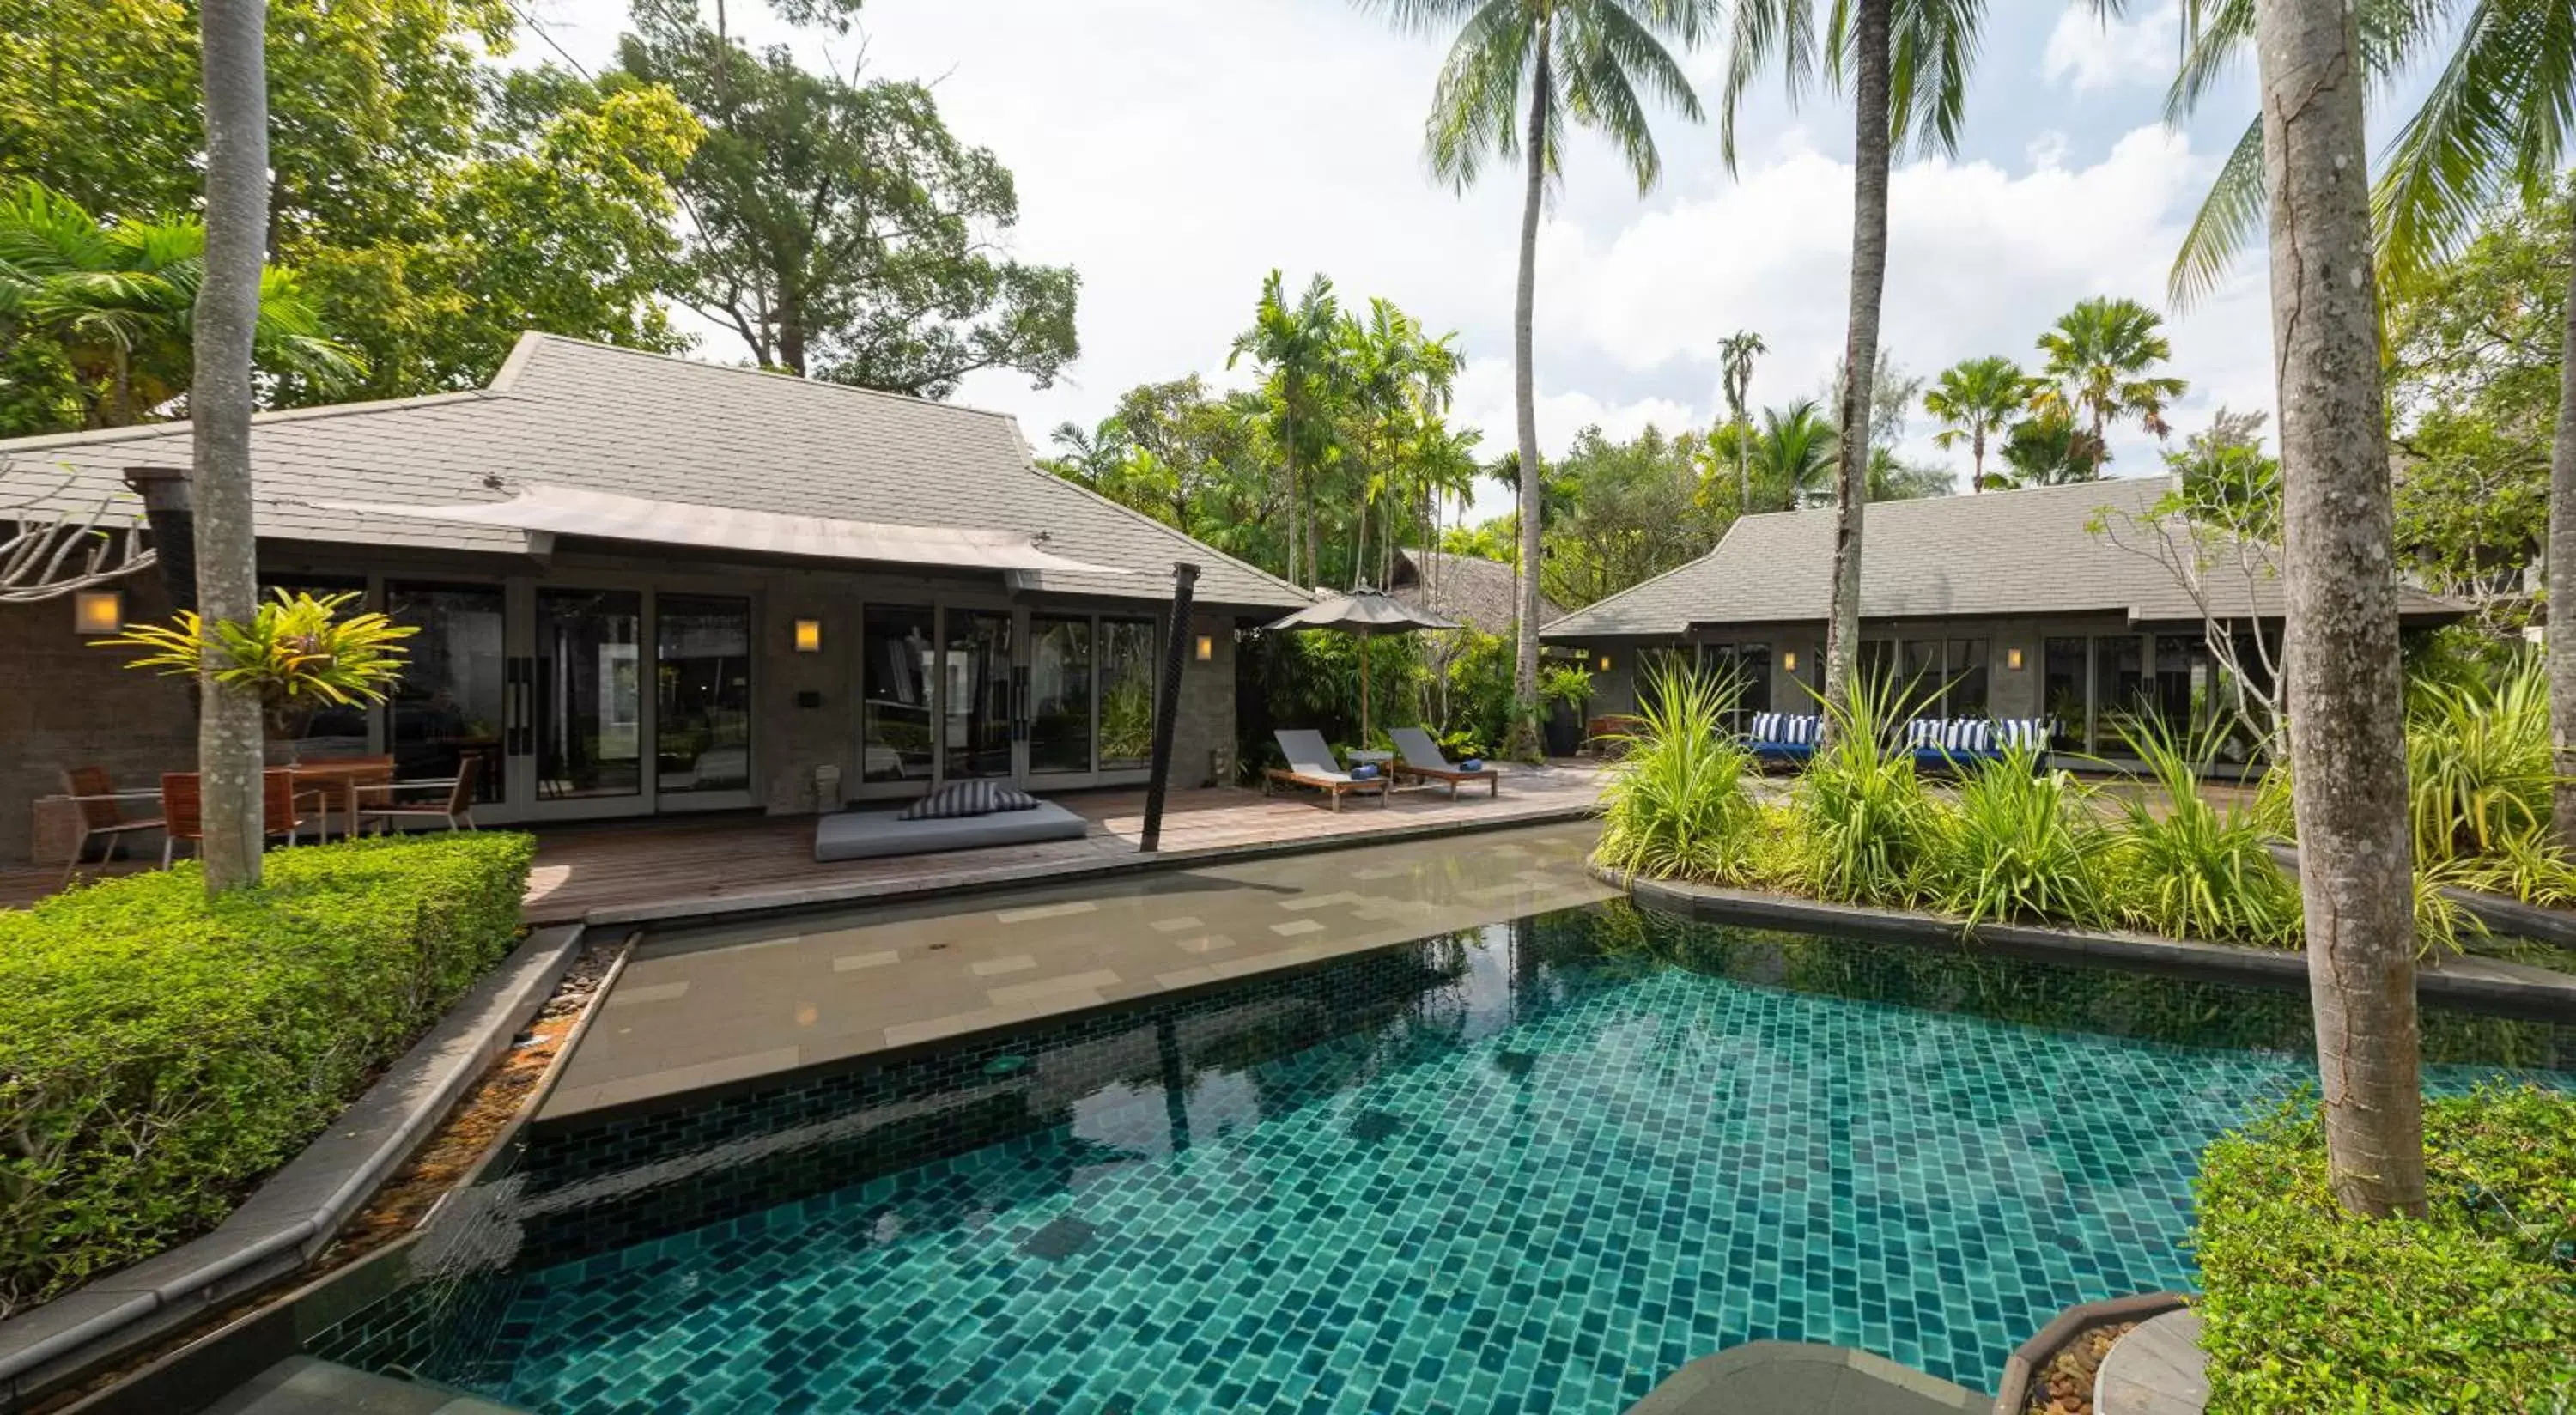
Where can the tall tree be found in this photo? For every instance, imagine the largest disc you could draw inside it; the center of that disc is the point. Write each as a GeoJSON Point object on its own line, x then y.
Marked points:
{"type": "Point", "coordinates": [2102, 357]}
{"type": "Point", "coordinates": [1297, 347]}
{"type": "Point", "coordinates": [1975, 399]}
{"type": "Point", "coordinates": [1906, 63]}
{"type": "Point", "coordinates": [117, 301]}
{"type": "Point", "coordinates": [2346, 690]}
{"type": "Point", "coordinates": [1517, 73]}
{"type": "Point", "coordinates": [2494, 122]}
{"type": "Point", "coordinates": [840, 229]}
{"type": "Point", "coordinates": [230, 749]}
{"type": "Point", "coordinates": [1736, 353]}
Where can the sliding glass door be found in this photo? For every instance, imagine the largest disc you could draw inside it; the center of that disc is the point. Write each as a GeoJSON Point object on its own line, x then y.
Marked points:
{"type": "Point", "coordinates": [589, 694]}
{"type": "Point", "coordinates": [452, 703]}
{"type": "Point", "coordinates": [976, 705]}
{"type": "Point", "coordinates": [702, 682]}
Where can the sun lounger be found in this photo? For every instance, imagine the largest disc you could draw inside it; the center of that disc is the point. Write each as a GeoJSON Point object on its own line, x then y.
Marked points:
{"type": "Point", "coordinates": [1310, 764]}
{"type": "Point", "coordinates": [1419, 756]}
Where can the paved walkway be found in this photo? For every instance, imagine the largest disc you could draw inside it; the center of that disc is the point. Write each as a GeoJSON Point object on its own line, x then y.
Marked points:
{"type": "Point", "coordinates": [715, 1005]}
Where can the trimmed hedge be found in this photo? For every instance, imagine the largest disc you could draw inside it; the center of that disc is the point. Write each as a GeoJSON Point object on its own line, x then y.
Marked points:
{"type": "Point", "coordinates": [2472, 1308]}
{"type": "Point", "coordinates": [159, 1055]}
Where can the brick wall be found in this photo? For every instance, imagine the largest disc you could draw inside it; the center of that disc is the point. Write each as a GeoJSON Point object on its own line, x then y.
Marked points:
{"type": "Point", "coordinates": [1207, 703]}
{"type": "Point", "coordinates": [65, 703]}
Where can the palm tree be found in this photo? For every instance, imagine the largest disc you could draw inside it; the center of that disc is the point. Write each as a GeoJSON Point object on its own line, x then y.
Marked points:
{"type": "Point", "coordinates": [1296, 344]}
{"type": "Point", "coordinates": [1975, 399]}
{"type": "Point", "coordinates": [225, 328]}
{"type": "Point", "coordinates": [1736, 353]}
{"type": "Point", "coordinates": [1795, 453]}
{"type": "Point", "coordinates": [2100, 360]}
{"type": "Point", "coordinates": [1907, 68]}
{"type": "Point", "coordinates": [119, 298]}
{"type": "Point", "coordinates": [2493, 123]}
{"type": "Point", "coordinates": [2346, 689]}
{"type": "Point", "coordinates": [1517, 72]}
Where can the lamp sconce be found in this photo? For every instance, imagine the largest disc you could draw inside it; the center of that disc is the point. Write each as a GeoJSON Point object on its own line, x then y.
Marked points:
{"type": "Point", "coordinates": [96, 612]}
{"type": "Point", "coordinates": [1789, 660]}
{"type": "Point", "coordinates": [809, 636]}
{"type": "Point", "coordinates": [2012, 659]}
{"type": "Point", "coordinates": [1605, 663]}
{"type": "Point", "coordinates": [1207, 647]}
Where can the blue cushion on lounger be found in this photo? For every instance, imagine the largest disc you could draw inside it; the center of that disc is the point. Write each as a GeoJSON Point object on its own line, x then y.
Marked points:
{"type": "Point", "coordinates": [1365, 771]}
{"type": "Point", "coordinates": [1472, 764]}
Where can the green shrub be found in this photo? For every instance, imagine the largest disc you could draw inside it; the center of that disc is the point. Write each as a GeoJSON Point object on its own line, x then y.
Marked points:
{"type": "Point", "coordinates": [2478, 767]}
{"type": "Point", "coordinates": [2193, 869]}
{"type": "Point", "coordinates": [1675, 805]}
{"type": "Point", "coordinates": [2472, 1308]}
{"type": "Point", "coordinates": [1863, 829]}
{"type": "Point", "coordinates": [159, 1053]}
{"type": "Point", "coordinates": [2021, 846]}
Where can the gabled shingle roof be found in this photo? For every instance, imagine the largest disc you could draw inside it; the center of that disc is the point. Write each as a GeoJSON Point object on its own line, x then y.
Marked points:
{"type": "Point", "coordinates": [1995, 555]}
{"type": "Point", "coordinates": [568, 413]}
{"type": "Point", "coordinates": [1467, 588]}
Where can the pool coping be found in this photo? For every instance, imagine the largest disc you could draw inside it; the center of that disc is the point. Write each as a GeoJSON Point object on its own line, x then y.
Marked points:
{"type": "Point", "coordinates": [2486, 984]}
{"type": "Point", "coordinates": [297, 1211]}
{"type": "Point", "coordinates": [1001, 878]}
{"type": "Point", "coordinates": [2032, 1356]}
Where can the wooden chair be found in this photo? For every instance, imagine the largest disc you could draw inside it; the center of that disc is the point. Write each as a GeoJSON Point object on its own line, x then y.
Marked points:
{"type": "Point", "coordinates": [1310, 764]}
{"type": "Point", "coordinates": [1420, 757]}
{"type": "Point", "coordinates": [102, 813]}
{"type": "Point", "coordinates": [183, 809]}
{"type": "Point", "coordinates": [456, 809]}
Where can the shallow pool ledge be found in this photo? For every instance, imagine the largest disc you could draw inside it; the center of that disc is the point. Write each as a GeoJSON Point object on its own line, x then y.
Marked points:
{"type": "Point", "coordinates": [2467, 980]}
{"type": "Point", "coordinates": [1805, 1378]}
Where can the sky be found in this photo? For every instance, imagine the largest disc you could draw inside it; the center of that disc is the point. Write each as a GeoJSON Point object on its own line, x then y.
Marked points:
{"type": "Point", "coordinates": [1174, 151]}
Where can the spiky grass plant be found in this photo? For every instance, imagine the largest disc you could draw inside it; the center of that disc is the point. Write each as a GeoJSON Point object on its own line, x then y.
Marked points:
{"type": "Point", "coordinates": [2022, 846]}
{"type": "Point", "coordinates": [2195, 869]}
{"type": "Point", "coordinates": [1863, 829]}
{"type": "Point", "coordinates": [2478, 766]}
{"type": "Point", "coordinates": [1675, 805]}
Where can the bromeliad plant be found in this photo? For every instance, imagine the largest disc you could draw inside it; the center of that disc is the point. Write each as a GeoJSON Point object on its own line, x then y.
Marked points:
{"type": "Point", "coordinates": [297, 654]}
{"type": "Point", "coordinates": [1675, 805]}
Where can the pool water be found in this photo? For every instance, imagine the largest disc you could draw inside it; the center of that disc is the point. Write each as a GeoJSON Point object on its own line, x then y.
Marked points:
{"type": "Point", "coordinates": [1535, 1167]}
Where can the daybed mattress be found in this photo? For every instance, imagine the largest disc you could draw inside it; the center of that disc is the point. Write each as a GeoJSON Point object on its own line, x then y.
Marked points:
{"type": "Point", "coordinates": [869, 835]}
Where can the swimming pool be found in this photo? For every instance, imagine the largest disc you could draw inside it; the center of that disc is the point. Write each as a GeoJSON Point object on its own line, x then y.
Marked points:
{"type": "Point", "coordinates": [1531, 1167]}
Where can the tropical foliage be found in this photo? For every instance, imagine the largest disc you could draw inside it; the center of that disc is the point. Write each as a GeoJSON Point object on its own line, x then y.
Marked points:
{"type": "Point", "coordinates": [297, 655]}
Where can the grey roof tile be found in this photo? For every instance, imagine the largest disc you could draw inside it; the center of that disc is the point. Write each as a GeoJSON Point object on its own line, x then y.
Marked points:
{"type": "Point", "coordinates": [571, 413]}
{"type": "Point", "coordinates": [1999, 554]}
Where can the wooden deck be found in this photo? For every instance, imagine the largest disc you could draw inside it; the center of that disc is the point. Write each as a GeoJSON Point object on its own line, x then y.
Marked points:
{"type": "Point", "coordinates": [677, 865]}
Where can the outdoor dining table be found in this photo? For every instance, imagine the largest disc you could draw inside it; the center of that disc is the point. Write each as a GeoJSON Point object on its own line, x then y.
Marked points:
{"type": "Point", "coordinates": [345, 777]}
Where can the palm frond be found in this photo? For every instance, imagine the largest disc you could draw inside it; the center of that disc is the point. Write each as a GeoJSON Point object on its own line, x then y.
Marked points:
{"type": "Point", "coordinates": [2463, 144]}
{"type": "Point", "coordinates": [2226, 223]}
{"type": "Point", "coordinates": [1475, 104]}
{"type": "Point", "coordinates": [1764, 32]}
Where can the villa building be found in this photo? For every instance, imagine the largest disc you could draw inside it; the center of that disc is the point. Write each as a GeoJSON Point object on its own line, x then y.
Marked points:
{"type": "Point", "coordinates": [652, 585]}
{"type": "Point", "coordinates": [2056, 602]}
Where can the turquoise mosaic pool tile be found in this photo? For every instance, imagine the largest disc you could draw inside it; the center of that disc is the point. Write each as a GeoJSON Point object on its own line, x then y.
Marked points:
{"type": "Point", "coordinates": [1544, 1181]}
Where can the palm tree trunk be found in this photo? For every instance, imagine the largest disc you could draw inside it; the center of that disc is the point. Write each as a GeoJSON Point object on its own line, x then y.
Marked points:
{"type": "Point", "coordinates": [229, 746]}
{"type": "Point", "coordinates": [2561, 579]}
{"type": "Point", "coordinates": [1860, 349]}
{"type": "Point", "coordinates": [1977, 462]}
{"type": "Point", "coordinates": [1523, 744]}
{"type": "Point", "coordinates": [2345, 687]}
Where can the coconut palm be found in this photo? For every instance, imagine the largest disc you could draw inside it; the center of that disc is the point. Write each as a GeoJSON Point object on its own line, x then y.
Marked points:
{"type": "Point", "coordinates": [1736, 353]}
{"type": "Point", "coordinates": [1906, 63]}
{"type": "Point", "coordinates": [2100, 369]}
{"type": "Point", "coordinates": [1517, 73]}
{"type": "Point", "coordinates": [1795, 454]}
{"type": "Point", "coordinates": [2493, 124]}
{"type": "Point", "coordinates": [1975, 399]}
{"type": "Point", "coordinates": [119, 297]}
{"type": "Point", "coordinates": [1297, 345]}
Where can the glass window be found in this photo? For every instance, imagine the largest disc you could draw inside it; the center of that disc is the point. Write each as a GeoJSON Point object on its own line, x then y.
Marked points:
{"type": "Point", "coordinates": [1918, 681]}
{"type": "Point", "coordinates": [702, 669]}
{"type": "Point", "coordinates": [1752, 665]}
{"type": "Point", "coordinates": [1127, 672]}
{"type": "Point", "coordinates": [1059, 694]}
{"type": "Point", "coordinates": [2119, 688]}
{"type": "Point", "coordinates": [452, 701]}
{"type": "Point", "coordinates": [895, 682]}
{"type": "Point", "coordinates": [978, 695]}
{"type": "Point", "coordinates": [2061, 692]}
{"type": "Point", "coordinates": [1964, 689]}
{"type": "Point", "coordinates": [590, 693]}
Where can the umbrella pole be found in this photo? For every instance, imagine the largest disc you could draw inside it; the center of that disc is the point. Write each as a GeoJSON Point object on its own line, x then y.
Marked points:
{"type": "Point", "coordinates": [1364, 691]}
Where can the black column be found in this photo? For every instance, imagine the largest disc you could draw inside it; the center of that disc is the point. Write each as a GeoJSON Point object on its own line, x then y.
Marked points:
{"type": "Point", "coordinates": [1175, 643]}
{"type": "Point", "coordinates": [171, 512]}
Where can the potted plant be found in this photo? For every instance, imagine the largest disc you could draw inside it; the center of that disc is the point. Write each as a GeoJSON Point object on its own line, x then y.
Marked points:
{"type": "Point", "coordinates": [1565, 689]}
{"type": "Point", "coordinates": [296, 653]}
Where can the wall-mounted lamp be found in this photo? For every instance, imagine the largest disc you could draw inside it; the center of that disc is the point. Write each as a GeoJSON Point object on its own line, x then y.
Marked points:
{"type": "Point", "coordinates": [1605, 663]}
{"type": "Point", "coordinates": [2012, 659]}
{"type": "Point", "coordinates": [809, 636]}
{"type": "Point", "coordinates": [1207, 647]}
{"type": "Point", "coordinates": [1789, 660]}
{"type": "Point", "coordinates": [97, 612]}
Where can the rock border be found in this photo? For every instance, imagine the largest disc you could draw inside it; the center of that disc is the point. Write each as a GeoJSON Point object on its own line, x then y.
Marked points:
{"type": "Point", "coordinates": [297, 1211]}
{"type": "Point", "coordinates": [2031, 1357]}
{"type": "Point", "coordinates": [2487, 984]}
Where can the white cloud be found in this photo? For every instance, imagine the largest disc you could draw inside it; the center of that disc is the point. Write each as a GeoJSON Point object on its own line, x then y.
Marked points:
{"type": "Point", "coordinates": [2089, 53]}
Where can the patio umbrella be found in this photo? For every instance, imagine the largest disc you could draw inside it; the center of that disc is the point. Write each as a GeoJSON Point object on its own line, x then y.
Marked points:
{"type": "Point", "coordinates": [1366, 613]}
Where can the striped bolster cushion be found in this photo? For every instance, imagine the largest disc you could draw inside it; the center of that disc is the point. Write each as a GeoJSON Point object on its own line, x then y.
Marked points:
{"type": "Point", "coordinates": [2030, 732]}
{"type": "Point", "coordinates": [1924, 732]}
{"type": "Point", "coordinates": [1766, 727]}
{"type": "Point", "coordinates": [1802, 730]}
{"type": "Point", "coordinates": [967, 798]}
{"type": "Point", "coordinates": [1968, 734]}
